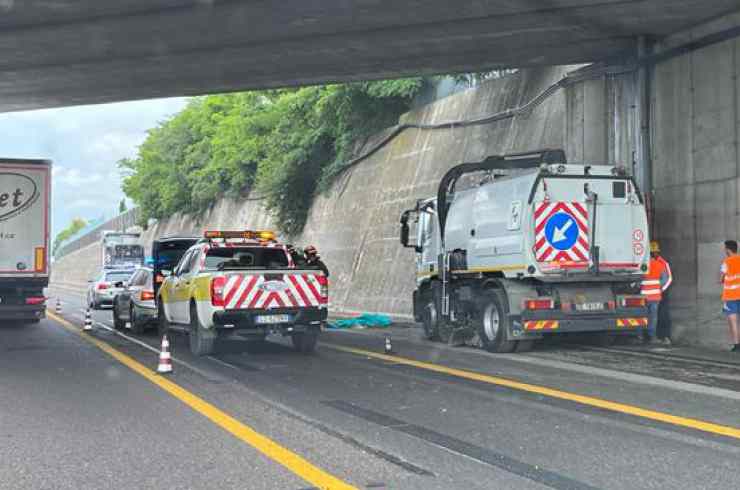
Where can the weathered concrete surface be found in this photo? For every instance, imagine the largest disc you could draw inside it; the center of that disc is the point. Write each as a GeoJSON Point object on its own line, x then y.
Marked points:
{"type": "Point", "coordinates": [80, 52]}
{"type": "Point", "coordinates": [695, 131]}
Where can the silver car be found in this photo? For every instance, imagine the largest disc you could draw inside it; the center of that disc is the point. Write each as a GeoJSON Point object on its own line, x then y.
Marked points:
{"type": "Point", "coordinates": [102, 289]}
{"type": "Point", "coordinates": [134, 304]}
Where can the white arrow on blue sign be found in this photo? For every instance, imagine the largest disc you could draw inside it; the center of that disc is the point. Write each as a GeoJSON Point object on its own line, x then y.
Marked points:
{"type": "Point", "coordinates": [561, 231]}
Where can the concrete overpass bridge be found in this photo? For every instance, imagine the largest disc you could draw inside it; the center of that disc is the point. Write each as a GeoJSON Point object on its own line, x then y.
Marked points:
{"type": "Point", "coordinates": [69, 52]}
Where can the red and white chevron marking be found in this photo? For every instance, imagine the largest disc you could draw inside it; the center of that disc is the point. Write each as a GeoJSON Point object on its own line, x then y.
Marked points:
{"type": "Point", "coordinates": [544, 251]}
{"type": "Point", "coordinates": [289, 291]}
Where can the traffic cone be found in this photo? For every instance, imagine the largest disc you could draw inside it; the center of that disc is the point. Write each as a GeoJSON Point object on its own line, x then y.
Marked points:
{"type": "Point", "coordinates": [388, 346]}
{"type": "Point", "coordinates": [88, 320]}
{"type": "Point", "coordinates": [58, 309]}
{"type": "Point", "coordinates": [165, 361]}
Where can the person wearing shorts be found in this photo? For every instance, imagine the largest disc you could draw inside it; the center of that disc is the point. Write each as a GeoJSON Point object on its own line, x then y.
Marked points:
{"type": "Point", "coordinates": [730, 280]}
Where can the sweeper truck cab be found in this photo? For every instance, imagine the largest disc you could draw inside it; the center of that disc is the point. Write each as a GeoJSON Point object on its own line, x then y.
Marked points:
{"type": "Point", "coordinates": [525, 245]}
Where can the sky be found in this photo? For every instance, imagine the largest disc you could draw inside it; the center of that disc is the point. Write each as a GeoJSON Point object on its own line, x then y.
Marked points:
{"type": "Point", "coordinates": [84, 143]}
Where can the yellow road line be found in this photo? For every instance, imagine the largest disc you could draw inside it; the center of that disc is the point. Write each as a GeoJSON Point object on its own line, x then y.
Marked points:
{"type": "Point", "coordinates": [701, 425]}
{"type": "Point", "coordinates": [293, 462]}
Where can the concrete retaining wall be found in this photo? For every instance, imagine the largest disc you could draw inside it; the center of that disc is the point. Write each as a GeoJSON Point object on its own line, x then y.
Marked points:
{"type": "Point", "coordinates": [695, 133]}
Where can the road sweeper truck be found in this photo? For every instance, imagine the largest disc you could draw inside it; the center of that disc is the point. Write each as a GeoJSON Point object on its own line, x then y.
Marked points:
{"type": "Point", "coordinates": [520, 246]}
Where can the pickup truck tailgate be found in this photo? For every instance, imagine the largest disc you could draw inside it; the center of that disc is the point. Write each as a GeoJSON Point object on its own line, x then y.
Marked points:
{"type": "Point", "coordinates": [266, 290]}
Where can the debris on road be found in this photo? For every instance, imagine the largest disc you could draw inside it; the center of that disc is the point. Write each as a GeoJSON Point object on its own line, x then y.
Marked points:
{"type": "Point", "coordinates": [364, 320]}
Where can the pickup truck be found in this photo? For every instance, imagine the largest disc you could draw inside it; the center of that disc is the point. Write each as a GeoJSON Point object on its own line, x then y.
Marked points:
{"type": "Point", "coordinates": [245, 284]}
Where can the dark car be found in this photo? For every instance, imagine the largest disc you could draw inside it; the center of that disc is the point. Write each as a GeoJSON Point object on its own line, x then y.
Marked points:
{"type": "Point", "coordinates": [134, 302]}
{"type": "Point", "coordinates": [166, 253]}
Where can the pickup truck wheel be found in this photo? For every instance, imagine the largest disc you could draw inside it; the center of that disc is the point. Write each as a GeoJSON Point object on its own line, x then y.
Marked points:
{"type": "Point", "coordinates": [493, 323]}
{"type": "Point", "coordinates": [430, 319]}
{"type": "Point", "coordinates": [118, 324]}
{"type": "Point", "coordinates": [202, 341]}
{"type": "Point", "coordinates": [305, 342]}
{"type": "Point", "coordinates": [137, 326]}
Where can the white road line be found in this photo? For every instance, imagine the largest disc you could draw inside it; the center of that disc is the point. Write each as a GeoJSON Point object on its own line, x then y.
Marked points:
{"type": "Point", "coordinates": [576, 368]}
{"type": "Point", "coordinates": [149, 347]}
{"type": "Point", "coordinates": [223, 363]}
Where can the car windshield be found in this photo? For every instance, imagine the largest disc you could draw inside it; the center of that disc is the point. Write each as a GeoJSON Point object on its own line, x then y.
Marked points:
{"type": "Point", "coordinates": [169, 254]}
{"type": "Point", "coordinates": [246, 258]}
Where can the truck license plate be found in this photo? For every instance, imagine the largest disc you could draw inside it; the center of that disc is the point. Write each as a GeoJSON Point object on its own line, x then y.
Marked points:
{"type": "Point", "coordinates": [272, 319]}
{"type": "Point", "coordinates": [589, 306]}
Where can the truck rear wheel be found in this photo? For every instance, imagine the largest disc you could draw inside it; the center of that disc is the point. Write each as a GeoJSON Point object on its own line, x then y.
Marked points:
{"type": "Point", "coordinates": [202, 341]}
{"type": "Point", "coordinates": [429, 318]}
{"type": "Point", "coordinates": [493, 323]}
{"type": "Point", "coordinates": [305, 342]}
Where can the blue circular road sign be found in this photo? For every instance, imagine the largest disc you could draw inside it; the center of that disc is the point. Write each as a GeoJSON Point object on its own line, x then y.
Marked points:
{"type": "Point", "coordinates": [561, 231]}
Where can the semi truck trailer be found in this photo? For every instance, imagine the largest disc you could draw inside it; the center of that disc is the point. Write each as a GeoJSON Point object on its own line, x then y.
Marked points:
{"type": "Point", "coordinates": [520, 246]}
{"type": "Point", "coordinates": [25, 195]}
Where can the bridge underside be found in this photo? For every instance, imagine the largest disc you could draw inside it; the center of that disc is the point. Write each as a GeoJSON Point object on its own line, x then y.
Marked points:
{"type": "Point", "coordinates": [90, 51]}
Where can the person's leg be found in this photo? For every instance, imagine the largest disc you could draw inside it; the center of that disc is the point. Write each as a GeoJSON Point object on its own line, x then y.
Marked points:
{"type": "Point", "coordinates": [664, 321]}
{"type": "Point", "coordinates": [652, 320]}
{"type": "Point", "coordinates": [734, 332]}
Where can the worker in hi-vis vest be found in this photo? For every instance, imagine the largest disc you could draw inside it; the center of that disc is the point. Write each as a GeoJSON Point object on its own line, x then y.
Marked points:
{"type": "Point", "coordinates": [730, 280]}
{"type": "Point", "coordinates": [655, 282]}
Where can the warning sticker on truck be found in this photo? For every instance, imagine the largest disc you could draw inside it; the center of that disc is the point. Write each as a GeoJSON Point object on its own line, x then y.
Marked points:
{"type": "Point", "coordinates": [561, 232]}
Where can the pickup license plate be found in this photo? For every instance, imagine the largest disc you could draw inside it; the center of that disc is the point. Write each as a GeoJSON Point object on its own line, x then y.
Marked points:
{"type": "Point", "coordinates": [589, 306]}
{"type": "Point", "coordinates": [272, 319]}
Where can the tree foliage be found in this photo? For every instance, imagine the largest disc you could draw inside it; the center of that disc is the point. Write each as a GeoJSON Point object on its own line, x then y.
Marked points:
{"type": "Point", "coordinates": [76, 225]}
{"type": "Point", "coordinates": [287, 144]}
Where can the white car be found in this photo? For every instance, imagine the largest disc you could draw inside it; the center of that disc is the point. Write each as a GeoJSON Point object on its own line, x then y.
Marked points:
{"type": "Point", "coordinates": [101, 290]}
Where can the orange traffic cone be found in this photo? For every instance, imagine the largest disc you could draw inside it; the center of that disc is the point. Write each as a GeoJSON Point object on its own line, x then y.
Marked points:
{"type": "Point", "coordinates": [165, 361]}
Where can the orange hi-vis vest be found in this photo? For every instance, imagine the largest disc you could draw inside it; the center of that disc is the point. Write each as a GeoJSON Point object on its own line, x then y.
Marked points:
{"type": "Point", "coordinates": [651, 287]}
{"type": "Point", "coordinates": [731, 270]}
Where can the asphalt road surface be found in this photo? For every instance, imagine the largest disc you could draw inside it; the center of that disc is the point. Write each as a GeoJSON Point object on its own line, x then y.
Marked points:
{"type": "Point", "coordinates": [86, 411]}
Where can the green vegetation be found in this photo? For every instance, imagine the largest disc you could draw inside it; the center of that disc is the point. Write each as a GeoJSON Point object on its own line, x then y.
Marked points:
{"type": "Point", "coordinates": [287, 144]}
{"type": "Point", "coordinates": [76, 225]}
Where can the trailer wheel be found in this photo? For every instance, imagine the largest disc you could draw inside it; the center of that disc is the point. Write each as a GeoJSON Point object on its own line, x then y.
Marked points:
{"type": "Point", "coordinates": [493, 322]}
{"type": "Point", "coordinates": [430, 318]}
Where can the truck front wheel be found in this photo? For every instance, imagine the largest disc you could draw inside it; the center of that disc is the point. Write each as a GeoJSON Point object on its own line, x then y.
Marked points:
{"type": "Point", "coordinates": [493, 323]}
